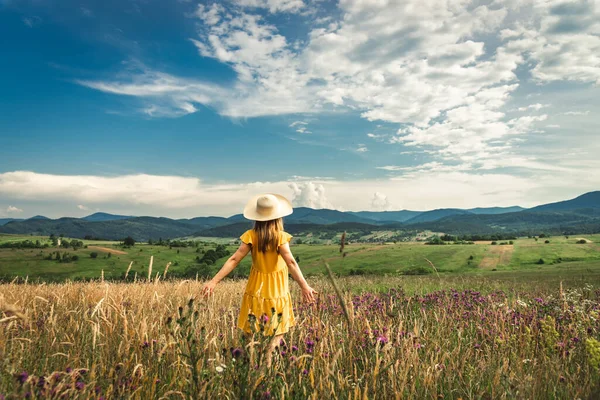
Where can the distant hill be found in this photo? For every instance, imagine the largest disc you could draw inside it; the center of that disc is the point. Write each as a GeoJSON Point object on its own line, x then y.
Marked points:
{"type": "Point", "coordinates": [100, 216]}
{"type": "Point", "coordinates": [588, 200]}
{"type": "Point", "coordinates": [524, 222]}
{"type": "Point", "coordinates": [4, 221]}
{"type": "Point", "coordinates": [435, 215]}
{"type": "Point", "coordinates": [305, 215]}
{"type": "Point", "coordinates": [140, 228]}
{"type": "Point", "coordinates": [581, 213]}
{"type": "Point", "coordinates": [38, 217]}
{"type": "Point", "coordinates": [387, 216]}
{"type": "Point", "coordinates": [496, 210]}
{"type": "Point", "coordinates": [207, 222]}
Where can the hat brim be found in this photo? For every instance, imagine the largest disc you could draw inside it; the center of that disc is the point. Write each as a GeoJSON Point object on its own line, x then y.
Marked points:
{"type": "Point", "coordinates": [283, 209]}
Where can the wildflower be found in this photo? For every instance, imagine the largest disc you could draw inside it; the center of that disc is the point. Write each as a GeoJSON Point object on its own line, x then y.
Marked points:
{"type": "Point", "coordinates": [267, 395]}
{"type": "Point", "coordinates": [236, 352]}
{"type": "Point", "coordinates": [593, 349]}
{"type": "Point", "coordinates": [79, 385]}
{"type": "Point", "coordinates": [382, 340]}
{"type": "Point", "coordinates": [22, 377]}
{"type": "Point", "coordinates": [219, 369]}
{"type": "Point", "coordinates": [526, 361]}
{"type": "Point", "coordinates": [264, 319]}
{"type": "Point", "coordinates": [305, 372]}
{"type": "Point", "coordinates": [294, 348]}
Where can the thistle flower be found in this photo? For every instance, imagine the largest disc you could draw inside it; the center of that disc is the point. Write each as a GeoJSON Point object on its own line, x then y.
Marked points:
{"type": "Point", "coordinates": [22, 377]}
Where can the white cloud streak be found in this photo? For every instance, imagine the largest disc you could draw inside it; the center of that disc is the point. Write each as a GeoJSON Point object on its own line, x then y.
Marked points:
{"type": "Point", "coordinates": [427, 187]}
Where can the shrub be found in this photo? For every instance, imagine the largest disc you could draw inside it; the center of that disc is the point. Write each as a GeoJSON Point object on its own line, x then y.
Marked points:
{"type": "Point", "coordinates": [547, 241]}
{"type": "Point", "coordinates": [540, 261]}
{"type": "Point", "coordinates": [416, 270]}
{"type": "Point", "coordinates": [581, 241]}
{"type": "Point", "coordinates": [93, 254]}
{"type": "Point", "coordinates": [494, 243]}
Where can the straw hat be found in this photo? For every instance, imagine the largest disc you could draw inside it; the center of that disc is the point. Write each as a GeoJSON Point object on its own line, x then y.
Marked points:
{"type": "Point", "coordinates": [265, 207]}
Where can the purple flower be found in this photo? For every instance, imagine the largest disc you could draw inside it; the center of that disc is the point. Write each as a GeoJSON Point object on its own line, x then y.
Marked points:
{"type": "Point", "coordinates": [267, 395]}
{"type": "Point", "coordinates": [79, 385]}
{"type": "Point", "coordinates": [68, 370]}
{"type": "Point", "coordinates": [382, 339]}
{"type": "Point", "coordinates": [145, 345]}
{"type": "Point", "coordinates": [309, 343]}
{"type": "Point", "coordinates": [22, 377]}
{"type": "Point", "coordinates": [477, 346]}
{"type": "Point", "coordinates": [237, 352]}
{"type": "Point", "coordinates": [264, 319]}
{"type": "Point", "coordinates": [294, 348]}
{"type": "Point", "coordinates": [305, 372]}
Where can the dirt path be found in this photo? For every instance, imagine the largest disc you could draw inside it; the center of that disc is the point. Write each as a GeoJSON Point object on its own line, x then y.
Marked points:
{"type": "Point", "coordinates": [106, 250]}
{"type": "Point", "coordinates": [497, 255]}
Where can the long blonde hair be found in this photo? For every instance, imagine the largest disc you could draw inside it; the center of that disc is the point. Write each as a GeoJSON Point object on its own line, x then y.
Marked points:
{"type": "Point", "coordinates": [268, 234]}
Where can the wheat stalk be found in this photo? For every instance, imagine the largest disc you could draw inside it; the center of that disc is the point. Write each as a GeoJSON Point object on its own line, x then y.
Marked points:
{"type": "Point", "coordinates": [433, 266]}
{"type": "Point", "coordinates": [166, 270]}
{"type": "Point", "coordinates": [128, 269]}
{"type": "Point", "coordinates": [150, 268]}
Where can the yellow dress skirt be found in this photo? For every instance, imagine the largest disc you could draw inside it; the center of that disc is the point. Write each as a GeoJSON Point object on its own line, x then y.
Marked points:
{"type": "Point", "coordinates": [267, 303]}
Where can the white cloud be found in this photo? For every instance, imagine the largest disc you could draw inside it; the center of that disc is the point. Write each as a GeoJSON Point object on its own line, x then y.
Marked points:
{"type": "Point", "coordinates": [445, 72]}
{"type": "Point", "coordinates": [577, 112]}
{"type": "Point", "coordinates": [377, 137]}
{"type": "Point", "coordinates": [553, 126]}
{"type": "Point", "coordinates": [274, 6]}
{"type": "Point", "coordinates": [309, 194]}
{"type": "Point", "coordinates": [32, 21]}
{"type": "Point", "coordinates": [380, 202]}
{"type": "Point", "coordinates": [13, 210]}
{"type": "Point", "coordinates": [536, 107]}
{"type": "Point", "coordinates": [83, 208]}
{"type": "Point", "coordinates": [418, 189]}
{"type": "Point", "coordinates": [362, 148]}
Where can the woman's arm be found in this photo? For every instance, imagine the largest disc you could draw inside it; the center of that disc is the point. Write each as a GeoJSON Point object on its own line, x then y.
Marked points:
{"type": "Point", "coordinates": [229, 266]}
{"type": "Point", "coordinates": [307, 292]}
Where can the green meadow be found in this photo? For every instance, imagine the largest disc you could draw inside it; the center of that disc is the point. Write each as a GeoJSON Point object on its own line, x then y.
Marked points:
{"type": "Point", "coordinates": [562, 256]}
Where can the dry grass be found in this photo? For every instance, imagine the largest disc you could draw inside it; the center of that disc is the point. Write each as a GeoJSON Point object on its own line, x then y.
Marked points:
{"type": "Point", "coordinates": [115, 340]}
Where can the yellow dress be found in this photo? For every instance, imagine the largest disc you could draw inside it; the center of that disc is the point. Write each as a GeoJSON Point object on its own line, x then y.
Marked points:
{"type": "Point", "coordinates": [267, 289]}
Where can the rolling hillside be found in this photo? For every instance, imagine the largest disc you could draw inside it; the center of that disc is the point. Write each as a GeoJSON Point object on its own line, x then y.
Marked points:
{"type": "Point", "coordinates": [581, 213]}
{"type": "Point", "coordinates": [588, 200]}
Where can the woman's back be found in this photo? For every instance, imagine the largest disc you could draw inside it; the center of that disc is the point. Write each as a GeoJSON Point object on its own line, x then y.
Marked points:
{"type": "Point", "coordinates": [270, 260]}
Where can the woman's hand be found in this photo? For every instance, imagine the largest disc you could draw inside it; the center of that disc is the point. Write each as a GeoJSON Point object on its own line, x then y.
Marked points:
{"type": "Point", "coordinates": [308, 294]}
{"type": "Point", "coordinates": [209, 288]}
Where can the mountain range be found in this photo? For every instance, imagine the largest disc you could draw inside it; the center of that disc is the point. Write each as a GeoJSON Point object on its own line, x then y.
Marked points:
{"type": "Point", "coordinates": [581, 213]}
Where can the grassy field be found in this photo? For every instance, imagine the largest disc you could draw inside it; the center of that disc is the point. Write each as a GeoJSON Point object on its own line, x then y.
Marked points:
{"type": "Point", "coordinates": [561, 255]}
{"type": "Point", "coordinates": [458, 336]}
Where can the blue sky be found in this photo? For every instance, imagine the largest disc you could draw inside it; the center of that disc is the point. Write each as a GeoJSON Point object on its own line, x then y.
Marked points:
{"type": "Point", "coordinates": [186, 108]}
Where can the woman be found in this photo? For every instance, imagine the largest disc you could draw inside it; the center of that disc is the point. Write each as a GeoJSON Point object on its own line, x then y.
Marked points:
{"type": "Point", "coordinates": [266, 302]}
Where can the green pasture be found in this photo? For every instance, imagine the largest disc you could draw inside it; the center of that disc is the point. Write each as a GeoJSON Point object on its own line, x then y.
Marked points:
{"type": "Point", "coordinates": [561, 256]}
